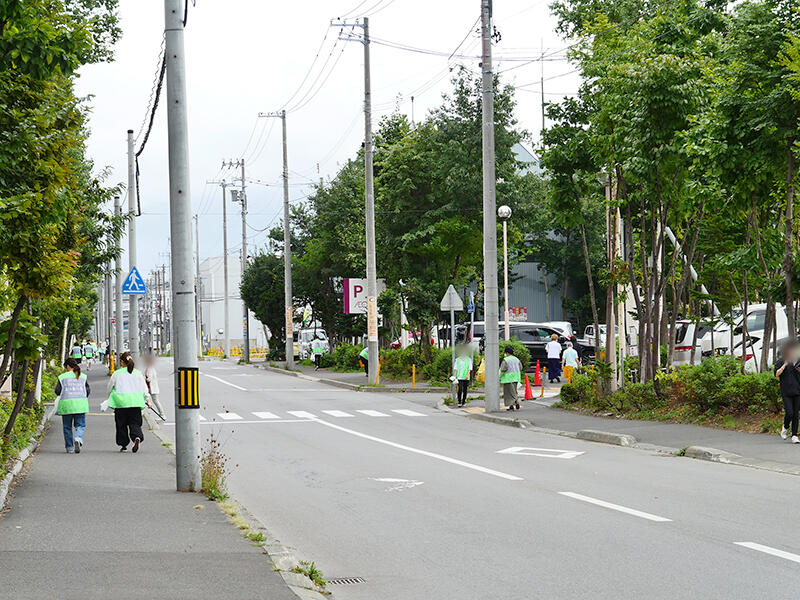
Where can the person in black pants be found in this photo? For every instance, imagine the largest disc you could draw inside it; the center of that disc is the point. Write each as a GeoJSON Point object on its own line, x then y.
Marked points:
{"type": "Point", "coordinates": [787, 373]}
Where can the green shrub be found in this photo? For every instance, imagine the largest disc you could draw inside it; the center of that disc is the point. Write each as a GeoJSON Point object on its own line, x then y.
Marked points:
{"type": "Point", "coordinates": [637, 397]}
{"type": "Point", "coordinates": [520, 351]}
{"type": "Point", "coordinates": [441, 365]}
{"type": "Point", "coordinates": [579, 391]}
{"type": "Point", "coordinates": [702, 385]}
{"type": "Point", "coordinates": [346, 357]}
{"type": "Point", "coordinates": [754, 393]}
{"type": "Point", "coordinates": [397, 363]}
{"type": "Point", "coordinates": [327, 361]}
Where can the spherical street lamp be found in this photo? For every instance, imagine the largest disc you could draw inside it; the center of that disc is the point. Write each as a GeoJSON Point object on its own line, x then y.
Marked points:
{"type": "Point", "coordinates": [504, 212]}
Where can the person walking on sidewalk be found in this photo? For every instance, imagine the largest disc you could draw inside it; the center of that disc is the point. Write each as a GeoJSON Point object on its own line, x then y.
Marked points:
{"type": "Point", "coordinates": [510, 376]}
{"type": "Point", "coordinates": [462, 370]}
{"type": "Point", "coordinates": [101, 351]}
{"type": "Point", "coordinates": [127, 396]}
{"type": "Point", "coordinates": [76, 352]}
{"type": "Point", "coordinates": [151, 379]}
{"type": "Point", "coordinates": [364, 354]}
{"type": "Point", "coordinates": [553, 349]}
{"type": "Point", "coordinates": [317, 349]}
{"type": "Point", "coordinates": [72, 388]}
{"type": "Point", "coordinates": [88, 353]}
{"type": "Point", "coordinates": [570, 361]}
{"type": "Point", "coordinates": [787, 373]}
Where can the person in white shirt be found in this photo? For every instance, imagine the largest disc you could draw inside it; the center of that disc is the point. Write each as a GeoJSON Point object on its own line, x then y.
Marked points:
{"type": "Point", "coordinates": [570, 361]}
{"type": "Point", "coordinates": [553, 349]}
{"type": "Point", "coordinates": [151, 378]}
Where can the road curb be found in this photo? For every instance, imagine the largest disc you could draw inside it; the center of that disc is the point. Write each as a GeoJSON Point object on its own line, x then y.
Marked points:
{"type": "Point", "coordinates": [23, 455]}
{"type": "Point", "coordinates": [606, 437]}
{"type": "Point", "coordinates": [282, 557]}
{"type": "Point", "coordinates": [352, 386]}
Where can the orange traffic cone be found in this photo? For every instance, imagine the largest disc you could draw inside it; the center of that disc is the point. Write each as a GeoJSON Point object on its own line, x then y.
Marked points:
{"type": "Point", "coordinates": [528, 392]}
{"type": "Point", "coordinates": [537, 377]}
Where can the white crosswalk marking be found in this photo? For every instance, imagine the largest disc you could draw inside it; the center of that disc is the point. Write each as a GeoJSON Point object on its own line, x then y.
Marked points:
{"type": "Point", "coordinates": [229, 416]}
{"type": "Point", "coordinates": [407, 413]}
{"type": "Point", "coordinates": [266, 415]}
{"type": "Point", "coordinates": [302, 414]}
{"type": "Point", "coordinates": [201, 417]}
{"type": "Point", "coordinates": [337, 413]}
{"type": "Point", "coordinates": [373, 413]}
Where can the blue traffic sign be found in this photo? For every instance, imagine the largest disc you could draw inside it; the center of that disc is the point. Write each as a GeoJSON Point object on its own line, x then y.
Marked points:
{"type": "Point", "coordinates": [134, 284]}
{"type": "Point", "coordinates": [471, 305]}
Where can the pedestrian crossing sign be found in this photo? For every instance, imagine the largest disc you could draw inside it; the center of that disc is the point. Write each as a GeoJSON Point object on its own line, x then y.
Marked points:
{"type": "Point", "coordinates": [134, 284]}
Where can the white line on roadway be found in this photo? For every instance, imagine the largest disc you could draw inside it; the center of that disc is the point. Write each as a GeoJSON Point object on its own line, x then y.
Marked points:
{"type": "Point", "coordinates": [233, 385]}
{"type": "Point", "coordinates": [372, 413]}
{"type": "Point", "coordinates": [407, 413]}
{"type": "Point", "coordinates": [441, 457]}
{"type": "Point", "coordinates": [301, 414]}
{"type": "Point", "coordinates": [251, 422]}
{"type": "Point", "coordinates": [266, 415]}
{"type": "Point", "coordinates": [337, 413]}
{"type": "Point", "coordinates": [229, 416]}
{"type": "Point", "coordinates": [768, 550]}
{"type": "Point", "coordinates": [623, 509]}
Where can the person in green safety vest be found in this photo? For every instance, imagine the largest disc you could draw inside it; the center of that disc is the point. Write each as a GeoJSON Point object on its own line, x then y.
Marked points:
{"type": "Point", "coordinates": [76, 352]}
{"type": "Point", "coordinates": [318, 350]}
{"type": "Point", "coordinates": [72, 389]}
{"type": "Point", "coordinates": [364, 354]}
{"type": "Point", "coordinates": [462, 370]}
{"type": "Point", "coordinates": [127, 395]}
{"type": "Point", "coordinates": [510, 376]}
{"type": "Point", "coordinates": [88, 354]}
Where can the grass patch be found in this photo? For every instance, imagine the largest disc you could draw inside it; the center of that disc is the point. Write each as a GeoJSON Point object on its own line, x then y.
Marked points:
{"type": "Point", "coordinates": [682, 451]}
{"type": "Point", "coordinates": [166, 444]}
{"type": "Point", "coordinates": [240, 522]}
{"type": "Point", "coordinates": [228, 508]}
{"type": "Point", "coordinates": [311, 571]}
{"type": "Point", "coordinates": [255, 536]}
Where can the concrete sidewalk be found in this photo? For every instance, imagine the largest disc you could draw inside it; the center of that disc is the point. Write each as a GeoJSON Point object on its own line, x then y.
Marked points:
{"type": "Point", "coordinates": [761, 450]}
{"type": "Point", "coordinates": [104, 524]}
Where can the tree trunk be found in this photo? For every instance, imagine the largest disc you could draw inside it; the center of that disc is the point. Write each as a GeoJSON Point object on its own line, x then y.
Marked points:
{"type": "Point", "coordinates": [12, 331]}
{"type": "Point", "coordinates": [30, 396]}
{"type": "Point", "coordinates": [788, 253]}
{"type": "Point", "coordinates": [565, 279]}
{"type": "Point", "coordinates": [592, 297]}
{"type": "Point", "coordinates": [12, 418]}
{"type": "Point", "coordinates": [769, 323]}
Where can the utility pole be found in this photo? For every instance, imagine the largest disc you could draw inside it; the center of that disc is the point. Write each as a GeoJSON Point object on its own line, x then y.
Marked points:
{"type": "Point", "coordinates": [541, 81]}
{"type": "Point", "coordinates": [109, 313]}
{"type": "Point", "coordinates": [133, 300]}
{"type": "Point", "coordinates": [226, 328]}
{"type": "Point", "coordinates": [197, 314]}
{"type": "Point", "coordinates": [490, 306]}
{"type": "Point", "coordinates": [241, 196]}
{"type": "Point", "coordinates": [120, 347]}
{"type": "Point", "coordinates": [184, 348]}
{"type": "Point", "coordinates": [369, 196]}
{"type": "Point", "coordinates": [163, 308]}
{"type": "Point", "coordinates": [287, 248]}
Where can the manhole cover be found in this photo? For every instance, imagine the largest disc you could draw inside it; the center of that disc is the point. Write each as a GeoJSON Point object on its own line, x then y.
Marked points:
{"type": "Point", "coordinates": [345, 580]}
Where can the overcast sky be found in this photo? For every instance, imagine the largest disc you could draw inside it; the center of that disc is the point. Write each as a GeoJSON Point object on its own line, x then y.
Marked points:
{"type": "Point", "coordinates": [247, 56]}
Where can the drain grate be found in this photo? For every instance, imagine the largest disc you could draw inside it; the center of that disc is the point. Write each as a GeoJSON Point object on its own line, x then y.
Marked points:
{"type": "Point", "coordinates": [345, 580]}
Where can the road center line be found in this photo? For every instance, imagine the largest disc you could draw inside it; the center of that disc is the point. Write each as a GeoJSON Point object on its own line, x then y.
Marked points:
{"type": "Point", "coordinates": [233, 385]}
{"type": "Point", "coordinates": [768, 550]}
{"type": "Point", "coordinates": [617, 507]}
{"type": "Point", "coordinates": [441, 457]}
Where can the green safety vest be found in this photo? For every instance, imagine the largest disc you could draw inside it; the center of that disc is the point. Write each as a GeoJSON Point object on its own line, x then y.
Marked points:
{"type": "Point", "coordinates": [88, 351]}
{"type": "Point", "coordinates": [364, 353]}
{"type": "Point", "coordinates": [127, 392]}
{"type": "Point", "coordinates": [73, 399]}
{"type": "Point", "coordinates": [513, 373]}
{"type": "Point", "coordinates": [462, 367]}
{"type": "Point", "coordinates": [317, 348]}
{"type": "Point", "coordinates": [76, 352]}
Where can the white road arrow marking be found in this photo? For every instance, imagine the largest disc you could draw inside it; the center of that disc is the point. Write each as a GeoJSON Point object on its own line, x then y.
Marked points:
{"type": "Point", "coordinates": [542, 452]}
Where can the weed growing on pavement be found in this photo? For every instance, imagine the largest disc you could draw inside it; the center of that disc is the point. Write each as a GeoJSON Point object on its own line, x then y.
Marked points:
{"type": "Point", "coordinates": [213, 470]}
{"type": "Point", "coordinates": [256, 536]}
{"type": "Point", "coordinates": [311, 571]}
{"type": "Point", "coordinates": [228, 508]}
{"type": "Point", "coordinates": [682, 451]}
{"type": "Point", "coordinates": [240, 523]}
{"type": "Point", "coordinates": [166, 444]}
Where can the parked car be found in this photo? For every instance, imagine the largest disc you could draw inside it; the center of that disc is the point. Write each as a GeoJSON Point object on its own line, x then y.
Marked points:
{"type": "Point", "coordinates": [534, 336]}
{"type": "Point", "coordinates": [756, 317]}
{"type": "Point", "coordinates": [303, 339]}
{"type": "Point", "coordinates": [684, 334]}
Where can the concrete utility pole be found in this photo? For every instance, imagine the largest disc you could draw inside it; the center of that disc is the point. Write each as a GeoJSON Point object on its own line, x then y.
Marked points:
{"type": "Point", "coordinates": [287, 247]}
{"type": "Point", "coordinates": [369, 194]}
{"type": "Point", "coordinates": [184, 348]}
{"type": "Point", "coordinates": [245, 318]}
{"type": "Point", "coordinates": [109, 314]}
{"type": "Point", "coordinates": [133, 300]}
{"type": "Point", "coordinates": [164, 308]}
{"type": "Point", "coordinates": [226, 328]}
{"type": "Point", "coordinates": [120, 346]}
{"type": "Point", "coordinates": [198, 315]}
{"type": "Point", "coordinates": [490, 306]}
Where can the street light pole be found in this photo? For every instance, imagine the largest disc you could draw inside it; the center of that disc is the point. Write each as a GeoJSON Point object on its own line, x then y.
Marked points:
{"type": "Point", "coordinates": [120, 347]}
{"type": "Point", "coordinates": [504, 212]}
{"type": "Point", "coordinates": [187, 433]}
{"type": "Point", "coordinates": [492, 346]}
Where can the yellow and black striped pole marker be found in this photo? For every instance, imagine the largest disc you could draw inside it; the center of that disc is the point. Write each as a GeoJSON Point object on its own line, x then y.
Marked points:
{"type": "Point", "coordinates": [188, 391]}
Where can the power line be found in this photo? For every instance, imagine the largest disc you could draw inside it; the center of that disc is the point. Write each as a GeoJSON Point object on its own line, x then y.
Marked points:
{"type": "Point", "coordinates": [310, 69]}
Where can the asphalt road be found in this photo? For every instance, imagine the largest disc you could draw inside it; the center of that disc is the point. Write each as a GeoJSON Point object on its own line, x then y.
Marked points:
{"type": "Point", "coordinates": [425, 504]}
